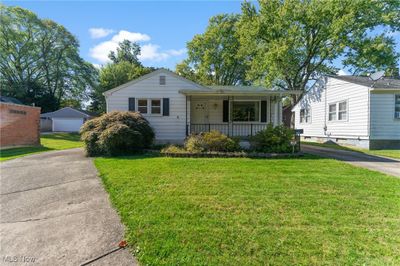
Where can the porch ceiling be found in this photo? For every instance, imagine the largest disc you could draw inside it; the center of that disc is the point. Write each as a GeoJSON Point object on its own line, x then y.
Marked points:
{"type": "Point", "coordinates": [238, 91]}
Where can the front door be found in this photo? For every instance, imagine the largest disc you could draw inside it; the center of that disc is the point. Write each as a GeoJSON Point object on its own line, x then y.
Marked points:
{"type": "Point", "coordinates": [199, 112]}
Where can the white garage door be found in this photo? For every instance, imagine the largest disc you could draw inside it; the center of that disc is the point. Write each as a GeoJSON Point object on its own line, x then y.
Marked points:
{"type": "Point", "coordinates": [67, 124]}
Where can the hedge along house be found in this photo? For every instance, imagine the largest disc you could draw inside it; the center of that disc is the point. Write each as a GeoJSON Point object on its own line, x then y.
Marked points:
{"type": "Point", "coordinates": [176, 107]}
{"type": "Point", "coordinates": [351, 110]}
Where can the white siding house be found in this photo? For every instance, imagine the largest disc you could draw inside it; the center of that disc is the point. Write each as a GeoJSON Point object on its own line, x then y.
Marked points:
{"type": "Point", "coordinates": [176, 107]}
{"type": "Point", "coordinates": [351, 110]}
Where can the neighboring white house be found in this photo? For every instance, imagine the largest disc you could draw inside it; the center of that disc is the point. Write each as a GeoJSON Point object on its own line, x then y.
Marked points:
{"type": "Point", "coordinates": [176, 107]}
{"type": "Point", "coordinates": [66, 119]}
{"type": "Point", "coordinates": [351, 110]}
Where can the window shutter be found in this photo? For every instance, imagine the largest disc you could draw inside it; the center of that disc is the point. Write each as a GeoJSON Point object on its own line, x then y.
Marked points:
{"type": "Point", "coordinates": [225, 111]}
{"type": "Point", "coordinates": [165, 106]}
{"type": "Point", "coordinates": [263, 111]}
{"type": "Point", "coordinates": [131, 104]}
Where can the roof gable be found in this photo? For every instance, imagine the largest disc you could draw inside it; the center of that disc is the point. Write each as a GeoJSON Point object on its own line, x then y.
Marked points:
{"type": "Point", "coordinates": [383, 83]}
{"type": "Point", "coordinates": [67, 112]}
{"type": "Point", "coordinates": [149, 75]}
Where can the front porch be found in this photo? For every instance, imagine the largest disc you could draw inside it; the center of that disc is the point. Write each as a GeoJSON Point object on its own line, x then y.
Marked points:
{"type": "Point", "coordinates": [229, 129]}
{"type": "Point", "coordinates": [236, 116]}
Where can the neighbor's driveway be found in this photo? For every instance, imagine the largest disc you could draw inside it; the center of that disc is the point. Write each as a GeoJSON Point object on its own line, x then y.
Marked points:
{"type": "Point", "coordinates": [376, 163]}
{"type": "Point", "coordinates": [55, 210]}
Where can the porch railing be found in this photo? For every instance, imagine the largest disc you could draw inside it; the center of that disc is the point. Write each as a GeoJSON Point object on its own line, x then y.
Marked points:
{"type": "Point", "coordinates": [231, 129]}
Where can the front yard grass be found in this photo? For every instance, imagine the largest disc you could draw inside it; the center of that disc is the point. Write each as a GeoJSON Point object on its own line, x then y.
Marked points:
{"type": "Point", "coordinates": [56, 141]}
{"type": "Point", "coordinates": [386, 153]}
{"type": "Point", "coordinates": [240, 211]}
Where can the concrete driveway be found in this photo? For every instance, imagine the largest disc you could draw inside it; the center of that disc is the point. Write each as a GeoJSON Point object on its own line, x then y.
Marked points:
{"type": "Point", "coordinates": [376, 163]}
{"type": "Point", "coordinates": [55, 211]}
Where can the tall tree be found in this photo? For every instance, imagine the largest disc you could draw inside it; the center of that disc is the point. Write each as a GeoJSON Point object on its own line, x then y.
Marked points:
{"type": "Point", "coordinates": [124, 67]}
{"type": "Point", "coordinates": [126, 52]}
{"type": "Point", "coordinates": [212, 56]}
{"type": "Point", "coordinates": [291, 42]}
{"type": "Point", "coordinates": [39, 60]}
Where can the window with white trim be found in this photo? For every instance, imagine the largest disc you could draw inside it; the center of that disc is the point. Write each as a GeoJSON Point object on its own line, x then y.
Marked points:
{"type": "Point", "coordinates": [149, 106]}
{"type": "Point", "coordinates": [338, 111]}
{"type": "Point", "coordinates": [246, 111]}
{"type": "Point", "coordinates": [142, 106]}
{"type": "Point", "coordinates": [342, 113]}
{"type": "Point", "coordinates": [332, 112]}
{"type": "Point", "coordinates": [155, 106]}
{"type": "Point", "coordinates": [397, 106]}
{"type": "Point", "coordinates": [305, 115]}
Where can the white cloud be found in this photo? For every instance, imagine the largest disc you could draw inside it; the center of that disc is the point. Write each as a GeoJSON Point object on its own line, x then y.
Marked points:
{"type": "Point", "coordinates": [149, 51]}
{"type": "Point", "coordinates": [100, 52]}
{"type": "Point", "coordinates": [96, 33]}
{"type": "Point", "coordinates": [342, 72]}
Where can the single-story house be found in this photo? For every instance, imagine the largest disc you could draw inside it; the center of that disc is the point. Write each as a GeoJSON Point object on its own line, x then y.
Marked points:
{"type": "Point", "coordinates": [176, 107]}
{"type": "Point", "coordinates": [66, 119]}
{"type": "Point", "coordinates": [352, 110]}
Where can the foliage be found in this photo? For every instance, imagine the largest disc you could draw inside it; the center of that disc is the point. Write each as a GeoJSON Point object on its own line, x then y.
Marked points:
{"type": "Point", "coordinates": [124, 67]}
{"type": "Point", "coordinates": [239, 211]}
{"type": "Point", "coordinates": [116, 133]}
{"type": "Point", "coordinates": [211, 141]}
{"type": "Point", "coordinates": [126, 52]}
{"type": "Point", "coordinates": [273, 139]}
{"type": "Point", "coordinates": [290, 43]}
{"type": "Point", "coordinates": [173, 149]}
{"type": "Point", "coordinates": [49, 142]}
{"type": "Point", "coordinates": [39, 61]}
{"type": "Point", "coordinates": [212, 56]}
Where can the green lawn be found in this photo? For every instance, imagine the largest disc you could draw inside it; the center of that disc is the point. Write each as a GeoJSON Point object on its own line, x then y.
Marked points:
{"type": "Point", "coordinates": [239, 211]}
{"type": "Point", "coordinates": [387, 153]}
{"type": "Point", "coordinates": [57, 141]}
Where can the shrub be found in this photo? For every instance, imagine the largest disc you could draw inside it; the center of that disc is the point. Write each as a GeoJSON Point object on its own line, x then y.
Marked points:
{"type": "Point", "coordinates": [273, 139]}
{"type": "Point", "coordinates": [116, 133]}
{"type": "Point", "coordinates": [194, 143]}
{"type": "Point", "coordinates": [211, 141]}
{"type": "Point", "coordinates": [173, 149]}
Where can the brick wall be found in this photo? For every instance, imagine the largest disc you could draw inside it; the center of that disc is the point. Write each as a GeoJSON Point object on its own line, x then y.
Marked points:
{"type": "Point", "coordinates": [19, 125]}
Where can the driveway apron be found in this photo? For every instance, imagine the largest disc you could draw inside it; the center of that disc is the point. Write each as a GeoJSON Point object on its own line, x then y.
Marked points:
{"type": "Point", "coordinates": [55, 211]}
{"type": "Point", "coordinates": [377, 163]}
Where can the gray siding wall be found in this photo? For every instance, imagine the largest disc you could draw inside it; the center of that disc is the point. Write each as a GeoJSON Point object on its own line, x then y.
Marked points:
{"type": "Point", "coordinates": [383, 124]}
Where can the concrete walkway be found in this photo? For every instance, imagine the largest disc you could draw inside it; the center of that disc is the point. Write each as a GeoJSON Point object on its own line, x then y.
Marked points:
{"type": "Point", "coordinates": [376, 163]}
{"type": "Point", "coordinates": [55, 211]}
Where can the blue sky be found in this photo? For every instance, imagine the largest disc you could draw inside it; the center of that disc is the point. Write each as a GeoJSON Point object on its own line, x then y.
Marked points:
{"type": "Point", "coordinates": [161, 27]}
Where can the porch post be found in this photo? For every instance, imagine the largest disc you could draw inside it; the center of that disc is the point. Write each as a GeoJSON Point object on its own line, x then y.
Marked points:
{"type": "Point", "coordinates": [186, 116]}
{"type": "Point", "coordinates": [270, 110]}
{"type": "Point", "coordinates": [230, 126]}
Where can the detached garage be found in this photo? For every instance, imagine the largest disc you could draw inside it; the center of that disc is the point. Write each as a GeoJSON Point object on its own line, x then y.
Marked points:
{"type": "Point", "coordinates": [67, 119]}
